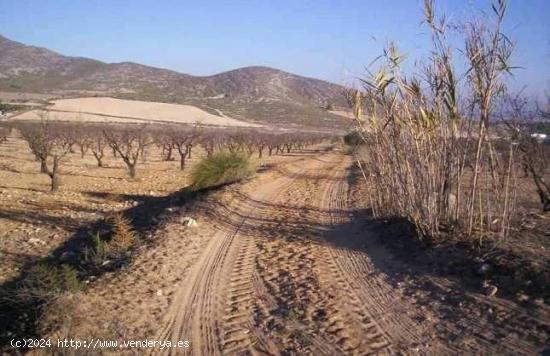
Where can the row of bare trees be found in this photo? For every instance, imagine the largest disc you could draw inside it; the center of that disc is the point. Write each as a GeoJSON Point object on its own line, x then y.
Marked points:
{"type": "Point", "coordinates": [258, 142]}
{"type": "Point", "coordinates": [51, 141]}
{"type": "Point", "coordinates": [521, 120]}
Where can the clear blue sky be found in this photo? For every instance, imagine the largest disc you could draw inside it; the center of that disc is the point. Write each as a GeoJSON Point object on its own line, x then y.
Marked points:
{"type": "Point", "coordinates": [331, 40]}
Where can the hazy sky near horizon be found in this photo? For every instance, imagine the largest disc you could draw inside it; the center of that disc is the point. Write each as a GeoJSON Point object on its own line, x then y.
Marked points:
{"type": "Point", "coordinates": [327, 39]}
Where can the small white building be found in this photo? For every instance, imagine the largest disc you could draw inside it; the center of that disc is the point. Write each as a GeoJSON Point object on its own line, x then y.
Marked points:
{"type": "Point", "coordinates": [539, 137]}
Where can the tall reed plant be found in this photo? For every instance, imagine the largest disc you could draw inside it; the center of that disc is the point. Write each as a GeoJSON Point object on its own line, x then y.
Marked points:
{"type": "Point", "coordinates": [430, 153]}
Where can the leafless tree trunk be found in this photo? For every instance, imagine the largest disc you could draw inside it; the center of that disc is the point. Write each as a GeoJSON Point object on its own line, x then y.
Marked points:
{"type": "Point", "coordinates": [48, 140]}
{"type": "Point", "coordinates": [97, 147]}
{"type": "Point", "coordinates": [129, 144]}
{"type": "Point", "coordinates": [182, 140]}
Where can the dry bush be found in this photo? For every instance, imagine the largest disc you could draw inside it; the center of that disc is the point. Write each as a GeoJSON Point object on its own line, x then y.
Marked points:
{"type": "Point", "coordinates": [429, 154]}
{"type": "Point", "coordinates": [54, 290]}
{"type": "Point", "coordinates": [58, 316]}
{"type": "Point", "coordinates": [123, 236]}
{"type": "Point", "coordinates": [104, 246]}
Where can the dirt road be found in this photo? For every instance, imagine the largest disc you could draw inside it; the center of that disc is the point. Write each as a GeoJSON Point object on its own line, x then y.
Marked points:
{"type": "Point", "coordinates": [271, 281]}
{"type": "Point", "coordinates": [286, 264]}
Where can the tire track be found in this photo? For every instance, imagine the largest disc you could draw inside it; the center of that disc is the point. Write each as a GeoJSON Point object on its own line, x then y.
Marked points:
{"type": "Point", "coordinates": [239, 335]}
{"type": "Point", "coordinates": [294, 308]}
{"type": "Point", "coordinates": [213, 307]}
{"type": "Point", "coordinates": [392, 322]}
{"type": "Point", "coordinates": [372, 302]}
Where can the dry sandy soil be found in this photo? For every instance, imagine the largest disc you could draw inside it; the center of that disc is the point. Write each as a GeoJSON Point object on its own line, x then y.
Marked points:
{"type": "Point", "coordinates": [286, 264]}
{"type": "Point", "coordinates": [99, 109]}
{"type": "Point", "coordinates": [283, 264]}
{"type": "Point", "coordinates": [34, 221]}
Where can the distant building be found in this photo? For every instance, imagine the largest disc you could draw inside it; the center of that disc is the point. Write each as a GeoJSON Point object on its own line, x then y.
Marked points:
{"type": "Point", "coordinates": [540, 137]}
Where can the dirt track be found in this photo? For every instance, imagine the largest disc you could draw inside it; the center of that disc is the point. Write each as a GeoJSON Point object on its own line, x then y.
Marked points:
{"type": "Point", "coordinates": [284, 264]}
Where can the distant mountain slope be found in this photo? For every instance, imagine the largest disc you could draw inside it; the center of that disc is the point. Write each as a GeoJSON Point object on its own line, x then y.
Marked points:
{"type": "Point", "coordinates": [253, 93]}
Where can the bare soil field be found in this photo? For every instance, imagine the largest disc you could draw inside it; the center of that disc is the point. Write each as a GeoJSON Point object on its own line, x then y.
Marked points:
{"type": "Point", "coordinates": [289, 262]}
{"type": "Point", "coordinates": [98, 109]}
{"type": "Point", "coordinates": [144, 211]}
{"type": "Point", "coordinates": [34, 221]}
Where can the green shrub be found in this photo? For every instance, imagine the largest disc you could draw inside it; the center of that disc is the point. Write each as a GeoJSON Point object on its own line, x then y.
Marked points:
{"type": "Point", "coordinates": [221, 168]}
{"type": "Point", "coordinates": [352, 139]}
{"type": "Point", "coordinates": [97, 252]}
{"type": "Point", "coordinates": [45, 282]}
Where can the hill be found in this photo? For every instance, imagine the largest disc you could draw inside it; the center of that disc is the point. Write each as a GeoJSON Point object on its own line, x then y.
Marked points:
{"type": "Point", "coordinates": [259, 94]}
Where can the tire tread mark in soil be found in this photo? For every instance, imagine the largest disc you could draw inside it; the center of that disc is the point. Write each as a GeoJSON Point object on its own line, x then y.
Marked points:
{"type": "Point", "coordinates": [197, 310]}
{"type": "Point", "coordinates": [287, 270]}
{"type": "Point", "coordinates": [353, 275]}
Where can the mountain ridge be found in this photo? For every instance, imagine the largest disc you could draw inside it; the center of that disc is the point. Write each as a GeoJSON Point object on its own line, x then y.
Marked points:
{"type": "Point", "coordinates": [257, 93]}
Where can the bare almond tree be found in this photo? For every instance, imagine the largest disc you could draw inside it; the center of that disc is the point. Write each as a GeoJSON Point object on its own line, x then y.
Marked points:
{"type": "Point", "coordinates": [50, 143]}
{"type": "Point", "coordinates": [260, 141]}
{"type": "Point", "coordinates": [272, 143]}
{"type": "Point", "coordinates": [98, 143]}
{"type": "Point", "coordinates": [208, 142]}
{"type": "Point", "coordinates": [235, 142]}
{"type": "Point", "coordinates": [37, 136]}
{"type": "Point", "coordinates": [182, 140]}
{"type": "Point", "coordinates": [534, 152]}
{"type": "Point", "coordinates": [82, 139]}
{"type": "Point", "coordinates": [163, 141]}
{"type": "Point", "coordinates": [129, 143]}
{"type": "Point", "coordinates": [63, 141]}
